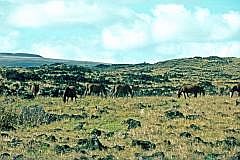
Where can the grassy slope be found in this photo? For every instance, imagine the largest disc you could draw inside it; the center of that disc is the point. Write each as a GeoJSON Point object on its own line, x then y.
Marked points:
{"type": "Point", "coordinates": [218, 115]}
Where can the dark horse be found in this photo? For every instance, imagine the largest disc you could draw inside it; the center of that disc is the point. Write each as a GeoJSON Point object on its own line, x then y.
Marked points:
{"type": "Point", "coordinates": [35, 89]}
{"type": "Point", "coordinates": [122, 90]}
{"type": "Point", "coordinates": [195, 89]}
{"type": "Point", "coordinates": [70, 91]}
{"type": "Point", "coordinates": [235, 88]}
{"type": "Point", "coordinates": [95, 89]}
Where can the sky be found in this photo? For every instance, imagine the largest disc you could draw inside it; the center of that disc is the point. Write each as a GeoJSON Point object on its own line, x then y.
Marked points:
{"type": "Point", "coordinates": [121, 31]}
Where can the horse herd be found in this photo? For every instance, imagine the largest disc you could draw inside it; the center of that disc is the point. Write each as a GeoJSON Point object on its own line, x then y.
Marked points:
{"type": "Point", "coordinates": [125, 90]}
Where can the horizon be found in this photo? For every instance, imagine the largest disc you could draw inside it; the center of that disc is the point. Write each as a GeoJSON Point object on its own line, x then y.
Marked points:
{"type": "Point", "coordinates": [121, 32]}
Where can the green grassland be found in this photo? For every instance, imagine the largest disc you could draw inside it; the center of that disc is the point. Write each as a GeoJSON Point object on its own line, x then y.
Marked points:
{"type": "Point", "coordinates": [164, 126]}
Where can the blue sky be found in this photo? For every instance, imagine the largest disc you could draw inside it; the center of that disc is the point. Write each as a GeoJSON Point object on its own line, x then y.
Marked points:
{"type": "Point", "coordinates": [124, 31]}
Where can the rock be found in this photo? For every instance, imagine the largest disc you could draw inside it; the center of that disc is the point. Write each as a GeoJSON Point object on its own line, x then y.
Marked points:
{"type": "Point", "coordinates": [5, 156]}
{"type": "Point", "coordinates": [157, 155]}
{"type": "Point", "coordinates": [212, 156]}
{"type": "Point", "coordinates": [108, 157]}
{"type": "Point", "coordinates": [18, 157]}
{"type": "Point", "coordinates": [192, 116]}
{"type": "Point", "coordinates": [79, 126]}
{"type": "Point", "coordinates": [62, 149]}
{"type": "Point", "coordinates": [132, 123]}
{"type": "Point", "coordinates": [198, 140]}
{"type": "Point", "coordinates": [119, 147]}
{"type": "Point", "coordinates": [109, 134]}
{"type": "Point", "coordinates": [229, 141]}
{"type": "Point", "coordinates": [96, 132]}
{"type": "Point", "coordinates": [90, 144]}
{"type": "Point", "coordinates": [15, 142]}
{"type": "Point", "coordinates": [194, 127]}
{"type": "Point", "coordinates": [145, 145]}
{"type": "Point", "coordinates": [172, 114]}
{"type": "Point", "coordinates": [199, 153]}
{"type": "Point", "coordinates": [236, 156]}
{"type": "Point", "coordinates": [51, 138]}
{"type": "Point", "coordinates": [185, 135]}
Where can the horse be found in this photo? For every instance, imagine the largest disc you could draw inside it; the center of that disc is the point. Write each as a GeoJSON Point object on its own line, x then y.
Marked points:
{"type": "Point", "coordinates": [95, 89]}
{"type": "Point", "coordinates": [70, 91]}
{"type": "Point", "coordinates": [35, 89]}
{"type": "Point", "coordinates": [195, 89]}
{"type": "Point", "coordinates": [235, 88]}
{"type": "Point", "coordinates": [122, 90]}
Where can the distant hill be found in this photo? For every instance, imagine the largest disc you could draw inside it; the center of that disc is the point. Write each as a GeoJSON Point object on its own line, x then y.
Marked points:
{"type": "Point", "coordinates": [32, 60]}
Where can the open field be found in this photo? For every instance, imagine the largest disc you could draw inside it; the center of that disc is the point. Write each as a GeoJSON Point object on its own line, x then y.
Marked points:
{"type": "Point", "coordinates": [154, 124]}
{"type": "Point", "coordinates": [208, 128]}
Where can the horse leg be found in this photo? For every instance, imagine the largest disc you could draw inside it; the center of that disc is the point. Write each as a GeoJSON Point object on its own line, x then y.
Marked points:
{"type": "Point", "coordinates": [184, 95]}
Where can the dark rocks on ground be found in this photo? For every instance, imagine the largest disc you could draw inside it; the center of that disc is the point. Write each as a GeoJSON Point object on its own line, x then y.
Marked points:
{"type": "Point", "coordinates": [194, 127]}
{"type": "Point", "coordinates": [199, 153]}
{"type": "Point", "coordinates": [79, 126]}
{"type": "Point", "coordinates": [193, 116]}
{"type": "Point", "coordinates": [62, 149]}
{"type": "Point", "coordinates": [18, 157]}
{"type": "Point", "coordinates": [198, 140]}
{"type": "Point", "coordinates": [7, 128]}
{"type": "Point", "coordinates": [157, 155]}
{"type": "Point", "coordinates": [4, 135]}
{"type": "Point", "coordinates": [108, 157]}
{"type": "Point", "coordinates": [143, 106]}
{"type": "Point", "coordinates": [213, 156]}
{"type": "Point", "coordinates": [145, 145]}
{"type": "Point", "coordinates": [95, 116]}
{"type": "Point", "coordinates": [109, 134]}
{"type": "Point", "coordinates": [5, 156]}
{"type": "Point", "coordinates": [51, 138]}
{"type": "Point", "coordinates": [185, 135]}
{"type": "Point", "coordinates": [172, 114]}
{"type": "Point", "coordinates": [90, 144]}
{"type": "Point", "coordinates": [167, 142]}
{"type": "Point", "coordinates": [15, 142]}
{"type": "Point", "coordinates": [229, 142]}
{"type": "Point", "coordinates": [119, 147]}
{"type": "Point", "coordinates": [132, 123]}
{"type": "Point", "coordinates": [236, 156]}
{"type": "Point", "coordinates": [96, 132]}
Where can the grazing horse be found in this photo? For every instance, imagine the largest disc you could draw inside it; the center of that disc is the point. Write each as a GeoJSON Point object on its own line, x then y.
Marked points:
{"type": "Point", "coordinates": [235, 88]}
{"type": "Point", "coordinates": [35, 89]}
{"type": "Point", "coordinates": [185, 89]}
{"type": "Point", "coordinates": [70, 91]}
{"type": "Point", "coordinates": [95, 89]}
{"type": "Point", "coordinates": [122, 90]}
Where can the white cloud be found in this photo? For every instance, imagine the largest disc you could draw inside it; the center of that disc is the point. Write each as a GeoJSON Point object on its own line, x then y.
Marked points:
{"type": "Point", "coordinates": [56, 11]}
{"type": "Point", "coordinates": [121, 37]}
{"type": "Point", "coordinates": [190, 49]}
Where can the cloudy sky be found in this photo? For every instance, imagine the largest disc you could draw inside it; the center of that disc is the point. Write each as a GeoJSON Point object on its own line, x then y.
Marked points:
{"type": "Point", "coordinates": [121, 31]}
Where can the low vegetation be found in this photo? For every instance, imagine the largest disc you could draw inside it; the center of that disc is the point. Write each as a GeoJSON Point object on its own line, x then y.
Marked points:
{"type": "Point", "coordinates": [154, 124]}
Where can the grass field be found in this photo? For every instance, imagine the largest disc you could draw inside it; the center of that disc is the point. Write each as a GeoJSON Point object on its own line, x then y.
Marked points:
{"type": "Point", "coordinates": [208, 128]}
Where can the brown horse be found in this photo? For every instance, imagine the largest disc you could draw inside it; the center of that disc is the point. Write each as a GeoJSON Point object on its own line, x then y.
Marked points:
{"type": "Point", "coordinates": [70, 91]}
{"type": "Point", "coordinates": [35, 89]}
{"type": "Point", "coordinates": [235, 88]}
{"type": "Point", "coordinates": [195, 89]}
{"type": "Point", "coordinates": [95, 89]}
{"type": "Point", "coordinates": [122, 90]}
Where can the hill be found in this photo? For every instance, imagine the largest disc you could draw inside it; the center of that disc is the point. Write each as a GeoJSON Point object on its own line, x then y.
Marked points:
{"type": "Point", "coordinates": [154, 124]}
{"type": "Point", "coordinates": [32, 60]}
